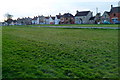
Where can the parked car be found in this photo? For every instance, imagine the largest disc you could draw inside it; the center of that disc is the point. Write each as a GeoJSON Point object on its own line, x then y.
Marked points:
{"type": "Point", "coordinates": [117, 22]}
{"type": "Point", "coordinates": [106, 22]}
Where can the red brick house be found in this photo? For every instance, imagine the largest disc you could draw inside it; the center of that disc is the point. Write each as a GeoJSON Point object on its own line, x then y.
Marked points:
{"type": "Point", "coordinates": [115, 14]}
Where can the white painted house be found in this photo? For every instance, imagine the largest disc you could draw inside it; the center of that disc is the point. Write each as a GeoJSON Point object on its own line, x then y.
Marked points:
{"type": "Point", "coordinates": [41, 20]}
{"type": "Point", "coordinates": [38, 20]}
{"type": "Point", "coordinates": [105, 17]}
{"type": "Point", "coordinates": [51, 20]}
{"type": "Point", "coordinates": [47, 20]}
{"type": "Point", "coordinates": [34, 20]}
{"type": "Point", "coordinates": [57, 18]}
{"type": "Point", "coordinates": [83, 17]}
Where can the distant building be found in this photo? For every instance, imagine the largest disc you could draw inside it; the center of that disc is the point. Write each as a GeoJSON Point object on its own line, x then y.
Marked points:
{"type": "Point", "coordinates": [47, 20]}
{"type": "Point", "coordinates": [51, 20]}
{"type": "Point", "coordinates": [67, 18]}
{"type": "Point", "coordinates": [20, 21]}
{"type": "Point", "coordinates": [34, 20]}
{"type": "Point", "coordinates": [28, 20]}
{"type": "Point", "coordinates": [105, 17]}
{"type": "Point", "coordinates": [4, 23]}
{"type": "Point", "coordinates": [57, 18]}
{"type": "Point", "coordinates": [14, 22]}
{"type": "Point", "coordinates": [38, 20]}
{"type": "Point", "coordinates": [115, 14]}
{"type": "Point", "coordinates": [92, 20]}
{"type": "Point", "coordinates": [24, 21]}
{"type": "Point", "coordinates": [98, 18]}
{"type": "Point", "coordinates": [41, 19]}
{"type": "Point", "coordinates": [83, 17]}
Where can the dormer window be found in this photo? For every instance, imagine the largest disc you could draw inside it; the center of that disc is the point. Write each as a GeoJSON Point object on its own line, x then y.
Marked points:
{"type": "Point", "coordinates": [105, 16]}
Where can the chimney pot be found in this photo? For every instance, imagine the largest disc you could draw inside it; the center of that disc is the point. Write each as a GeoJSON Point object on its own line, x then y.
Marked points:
{"type": "Point", "coordinates": [77, 11]}
{"type": "Point", "coordinates": [111, 6]}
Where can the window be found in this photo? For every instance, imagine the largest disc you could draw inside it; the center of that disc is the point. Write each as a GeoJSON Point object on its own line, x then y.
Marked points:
{"type": "Point", "coordinates": [105, 16]}
{"type": "Point", "coordinates": [114, 14]}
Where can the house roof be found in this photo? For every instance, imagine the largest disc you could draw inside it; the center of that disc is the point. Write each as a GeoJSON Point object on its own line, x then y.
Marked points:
{"type": "Point", "coordinates": [68, 15]}
{"type": "Point", "coordinates": [115, 10]}
{"type": "Point", "coordinates": [14, 20]}
{"type": "Point", "coordinates": [108, 13]}
{"type": "Point", "coordinates": [41, 16]}
{"type": "Point", "coordinates": [98, 14]}
{"type": "Point", "coordinates": [82, 13]}
{"type": "Point", "coordinates": [92, 18]}
{"type": "Point", "coordinates": [53, 18]}
{"type": "Point", "coordinates": [47, 17]}
{"type": "Point", "coordinates": [35, 18]}
{"type": "Point", "coordinates": [58, 16]}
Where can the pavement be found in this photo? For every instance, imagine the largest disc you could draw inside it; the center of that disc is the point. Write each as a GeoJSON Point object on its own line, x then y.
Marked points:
{"type": "Point", "coordinates": [81, 27]}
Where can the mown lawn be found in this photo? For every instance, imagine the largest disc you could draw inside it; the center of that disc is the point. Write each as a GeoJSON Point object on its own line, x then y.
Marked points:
{"type": "Point", "coordinates": [0, 52]}
{"type": "Point", "coordinates": [38, 52]}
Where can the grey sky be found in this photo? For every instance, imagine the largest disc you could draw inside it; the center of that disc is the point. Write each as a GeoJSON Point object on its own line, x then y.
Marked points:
{"type": "Point", "coordinates": [25, 8]}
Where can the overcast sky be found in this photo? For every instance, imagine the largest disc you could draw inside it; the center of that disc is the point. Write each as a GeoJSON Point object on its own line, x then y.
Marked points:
{"type": "Point", "coordinates": [25, 8]}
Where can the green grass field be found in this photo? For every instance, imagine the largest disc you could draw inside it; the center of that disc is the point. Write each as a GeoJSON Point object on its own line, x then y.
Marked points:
{"type": "Point", "coordinates": [38, 52]}
{"type": "Point", "coordinates": [0, 52]}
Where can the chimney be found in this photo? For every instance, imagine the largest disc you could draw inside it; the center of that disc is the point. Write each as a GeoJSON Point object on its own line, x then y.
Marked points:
{"type": "Point", "coordinates": [77, 11]}
{"type": "Point", "coordinates": [111, 6]}
{"type": "Point", "coordinates": [60, 14]}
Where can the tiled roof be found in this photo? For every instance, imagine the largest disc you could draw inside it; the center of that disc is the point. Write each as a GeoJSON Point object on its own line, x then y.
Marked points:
{"type": "Point", "coordinates": [92, 18]}
{"type": "Point", "coordinates": [115, 10]}
{"type": "Point", "coordinates": [108, 13]}
{"type": "Point", "coordinates": [98, 14]}
{"type": "Point", "coordinates": [35, 18]}
{"type": "Point", "coordinates": [53, 18]}
{"type": "Point", "coordinates": [68, 15]}
{"type": "Point", "coordinates": [47, 17]}
{"type": "Point", "coordinates": [58, 16]}
{"type": "Point", "coordinates": [82, 13]}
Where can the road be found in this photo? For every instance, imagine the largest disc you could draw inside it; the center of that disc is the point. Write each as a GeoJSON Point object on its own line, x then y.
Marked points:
{"type": "Point", "coordinates": [81, 27]}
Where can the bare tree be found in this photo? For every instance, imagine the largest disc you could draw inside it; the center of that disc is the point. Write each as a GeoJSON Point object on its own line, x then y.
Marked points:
{"type": "Point", "coordinates": [8, 18]}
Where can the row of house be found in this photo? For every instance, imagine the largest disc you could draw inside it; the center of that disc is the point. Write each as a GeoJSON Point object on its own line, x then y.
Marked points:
{"type": "Point", "coordinates": [81, 17]}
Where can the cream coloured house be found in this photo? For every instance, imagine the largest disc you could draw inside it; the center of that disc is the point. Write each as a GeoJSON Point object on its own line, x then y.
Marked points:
{"type": "Point", "coordinates": [83, 17]}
